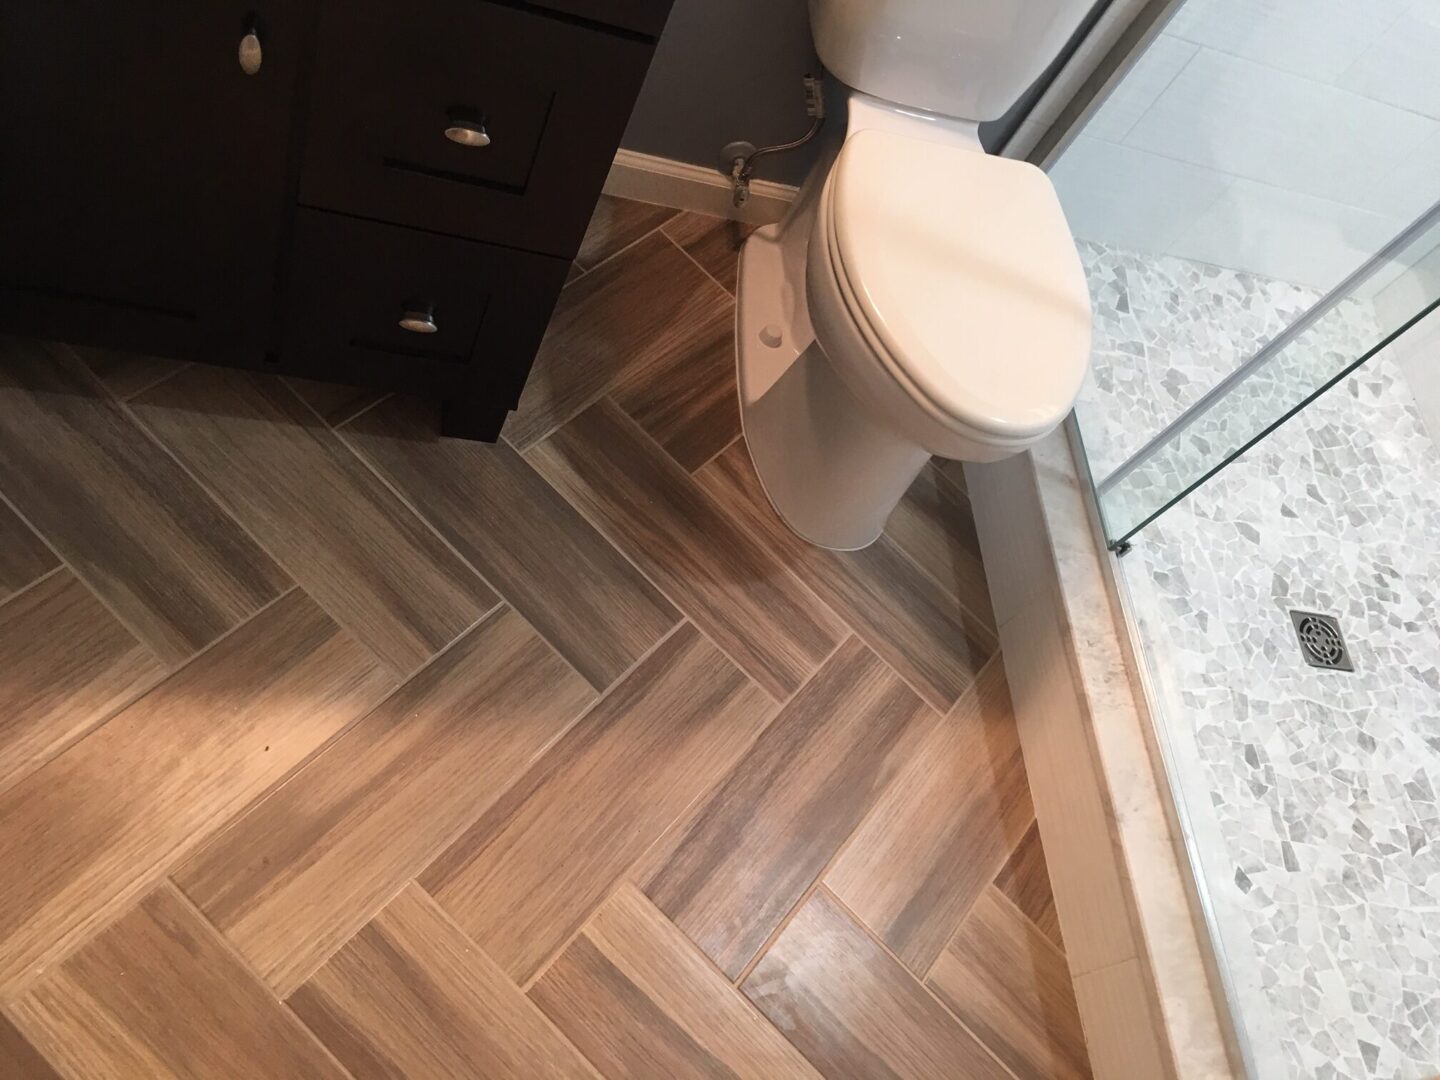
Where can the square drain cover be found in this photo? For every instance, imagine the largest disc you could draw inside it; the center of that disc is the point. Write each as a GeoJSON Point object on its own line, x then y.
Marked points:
{"type": "Point", "coordinates": [1321, 643]}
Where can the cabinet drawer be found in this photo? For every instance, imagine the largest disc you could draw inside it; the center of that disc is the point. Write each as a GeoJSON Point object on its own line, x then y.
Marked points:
{"type": "Point", "coordinates": [391, 79]}
{"type": "Point", "coordinates": [353, 282]}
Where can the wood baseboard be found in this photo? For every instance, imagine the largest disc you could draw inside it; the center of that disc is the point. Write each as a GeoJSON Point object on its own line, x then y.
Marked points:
{"type": "Point", "coordinates": [651, 179]}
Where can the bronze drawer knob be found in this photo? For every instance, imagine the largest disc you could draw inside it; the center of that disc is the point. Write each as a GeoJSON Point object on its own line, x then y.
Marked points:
{"type": "Point", "coordinates": [251, 55]}
{"type": "Point", "coordinates": [468, 133]}
{"type": "Point", "coordinates": [419, 320]}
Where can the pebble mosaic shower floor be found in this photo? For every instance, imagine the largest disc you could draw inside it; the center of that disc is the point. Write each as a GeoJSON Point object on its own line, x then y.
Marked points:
{"type": "Point", "coordinates": [1311, 794]}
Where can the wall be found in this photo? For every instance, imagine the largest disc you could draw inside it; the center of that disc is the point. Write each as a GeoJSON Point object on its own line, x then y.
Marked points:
{"type": "Point", "coordinates": [1289, 138]}
{"type": "Point", "coordinates": [723, 71]}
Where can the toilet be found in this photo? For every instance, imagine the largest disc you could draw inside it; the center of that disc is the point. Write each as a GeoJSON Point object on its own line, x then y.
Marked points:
{"type": "Point", "coordinates": [921, 298]}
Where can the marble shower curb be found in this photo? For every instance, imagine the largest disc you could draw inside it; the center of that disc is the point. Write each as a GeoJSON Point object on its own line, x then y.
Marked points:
{"type": "Point", "coordinates": [1145, 979]}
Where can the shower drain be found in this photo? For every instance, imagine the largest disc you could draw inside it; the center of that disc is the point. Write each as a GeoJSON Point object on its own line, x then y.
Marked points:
{"type": "Point", "coordinates": [1321, 642]}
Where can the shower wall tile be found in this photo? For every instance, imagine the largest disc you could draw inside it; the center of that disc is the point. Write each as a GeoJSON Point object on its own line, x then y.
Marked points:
{"type": "Point", "coordinates": [1153, 72]}
{"type": "Point", "coordinates": [1118, 195]}
{"type": "Point", "coordinates": [1285, 235]}
{"type": "Point", "coordinates": [1250, 120]}
{"type": "Point", "coordinates": [1315, 38]}
{"type": "Point", "coordinates": [1410, 188]}
{"type": "Point", "coordinates": [1399, 69]}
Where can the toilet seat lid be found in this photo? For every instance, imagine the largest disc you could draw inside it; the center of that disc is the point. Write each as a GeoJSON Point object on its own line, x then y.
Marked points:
{"type": "Point", "coordinates": [964, 269]}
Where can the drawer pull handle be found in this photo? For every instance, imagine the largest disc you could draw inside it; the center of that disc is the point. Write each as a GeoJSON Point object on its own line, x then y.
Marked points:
{"type": "Point", "coordinates": [419, 320]}
{"type": "Point", "coordinates": [251, 55]}
{"type": "Point", "coordinates": [468, 133]}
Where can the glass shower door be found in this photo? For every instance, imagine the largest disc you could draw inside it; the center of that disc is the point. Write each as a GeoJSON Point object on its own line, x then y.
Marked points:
{"type": "Point", "coordinates": [1255, 206]}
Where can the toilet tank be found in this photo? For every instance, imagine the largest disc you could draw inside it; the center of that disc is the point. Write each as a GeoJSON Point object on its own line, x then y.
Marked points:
{"type": "Point", "coordinates": [965, 58]}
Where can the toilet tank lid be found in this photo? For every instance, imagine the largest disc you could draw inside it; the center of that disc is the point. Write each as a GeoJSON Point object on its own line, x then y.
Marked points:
{"type": "Point", "coordinates": [964, 268]}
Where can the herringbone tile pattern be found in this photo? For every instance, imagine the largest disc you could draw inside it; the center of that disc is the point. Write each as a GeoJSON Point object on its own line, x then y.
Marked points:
{"type": "Point", "coordinates": [331, 748]}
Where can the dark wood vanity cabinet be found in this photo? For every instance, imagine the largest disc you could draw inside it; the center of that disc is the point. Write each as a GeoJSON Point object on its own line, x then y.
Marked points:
{"type": "Point", "coordinates": [392, 199]}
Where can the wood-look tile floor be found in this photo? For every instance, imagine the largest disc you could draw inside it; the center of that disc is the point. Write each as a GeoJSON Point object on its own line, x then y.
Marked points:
{"type": "Point", "coordinates": [331, 748]}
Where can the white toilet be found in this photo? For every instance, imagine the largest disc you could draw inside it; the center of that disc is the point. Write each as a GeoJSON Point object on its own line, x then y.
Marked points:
{"type": "Point", "coordinates": [921, 297]}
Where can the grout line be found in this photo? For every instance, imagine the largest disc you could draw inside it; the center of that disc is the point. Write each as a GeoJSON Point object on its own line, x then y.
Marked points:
{"type": "Point", "coordinates": [319, 752]}
{"type": "Point", "coordinates": [503, 599]}
{"type": "Point", "coordinates": [986, 626]}
{"type": "Point", "coordinates": [1001, 897]}
{"type": "Point", "coordinates": [228, 946]}
{"type": "Point", "coordinates": [359, 412]}
{"type": "Point", "coordinates": [633, 243]}
{"type": "Point", "coordinates": [181, 365]}
{"type": "Point", "coordinates": [584, 711]}
{"type": "Point", "coordinates": [919, 983]}
{"type": "Point", "coordinates": [609, 387]}
{"type": "Point", "coordinates": [223, 508]}
{"type": "Point", "coordinates": [335, 425]}
{"type": "Point", "coordinates": [819, 881]}
{"type": "Point", "coordinates": [605, 535]}
{"type": "Point", "coordinates": [35, 971]}
{"type": "Point", "coordinates": [738, 437]}
{"type": "Point", "coordinates": [442, 914]}
{"type": "Point", "coordinates": [851, 629]}
{"type": "Point", "coordinates": [1120, 139]}
{"type": "Point", "coordinates": [65, 564]}
{"type": "Point", "coordinates": [681, 248]}
{"type": "Point", "coordinates": [58, 568]}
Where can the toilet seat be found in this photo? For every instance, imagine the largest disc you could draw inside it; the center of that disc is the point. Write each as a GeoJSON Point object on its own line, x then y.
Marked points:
{"type": "Point", "coordinates": [958, 271]}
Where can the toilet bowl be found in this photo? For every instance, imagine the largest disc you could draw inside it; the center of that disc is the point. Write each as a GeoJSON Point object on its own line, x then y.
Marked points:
{"type": "Point", "coordinates": [921, 298]}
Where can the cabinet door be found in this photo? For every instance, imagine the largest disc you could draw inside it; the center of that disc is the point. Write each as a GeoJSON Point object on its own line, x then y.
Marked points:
{"type": "Point", "coordinates": [143, 174]}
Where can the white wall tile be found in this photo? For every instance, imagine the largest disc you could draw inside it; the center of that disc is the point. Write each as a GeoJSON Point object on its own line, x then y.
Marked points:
{"type": "Point", "coordinates": [1285, 235]}
{"type": "Point", "coordinates": [1412, 187]}
{"type": "Point", "coordinates": [1417, 353]}
{"type": "Point", "coordinates": [1402, 68]}
{"type": "Point", "coordinates": [1140, 86]}
{"type": "Point", "coordinates": [1315, 38]}
{"type": "Point", "coordinates": [1247, 119]}
{"type": "Point", "coordinates": [1117, 195]}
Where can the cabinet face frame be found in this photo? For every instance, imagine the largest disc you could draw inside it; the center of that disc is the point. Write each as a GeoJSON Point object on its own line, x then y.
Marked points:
{"type": "Point", "coordinates": [146, 180]}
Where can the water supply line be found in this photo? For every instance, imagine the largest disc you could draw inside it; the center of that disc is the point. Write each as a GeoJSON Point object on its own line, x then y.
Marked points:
{"type": "Point", "coordinates": [742, 166]}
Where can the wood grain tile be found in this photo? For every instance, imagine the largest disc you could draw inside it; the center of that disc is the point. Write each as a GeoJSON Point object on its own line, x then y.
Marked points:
{"type": "Point", "coordinates": [345, 537]}
{"type": "Point", "coordinates": [1009, 985]}
{"type": "Point", "coordinates": [616, 224]}
{"type": "Point", "coordinates": [18, 1056]}
{"type": "Point", "coordinates": [67, 664]}
{"type": "Point", "coordinates": [525, 876]}
{"type": "Point", "coordinates": [770, 829]}
{"type": "Point", "coordinates": [117, 508]}
{"type": "Point", "coordinates": [690, 405]}
{"type": "Point", "coordinates": [23, 555]}
{"type": "Point", "coordinates": [96, 826]}
{"type": "Point", "coordinates": [943, 830]}
{"type": "Point", "coordinates": [1025, 881]}
{"type": "Point", "coordinates": [712, 242]}
{"type": "Point", "coordinates": [853, 1011]}
{"type": "Point", "coordinates": [125, 374]}
{"type": "Point", "coordinates": [919, 628]}
{"type": "Point", "coordinates": [158, 994]}
{"type": "Point", "coordinates": [637, 313]}
{"type": "Point", "coordinates": [637, 999]}
{"type": "Point", "coordinates": [583, 596]}
{"type": "Point", "coordinates": [716, 571]}
{"type": "Point", "coordinates": [384, 799]}
{"type": "Point", "coordinates": [335, 402]}
{"type": "Point", "coordinates": [935, 526]}
{"type": "Point", "coordinates": [410, 995]}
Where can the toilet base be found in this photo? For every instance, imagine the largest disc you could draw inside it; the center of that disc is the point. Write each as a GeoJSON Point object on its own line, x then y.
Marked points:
{"type": "Point", "coordinates": [831, 472]}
